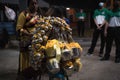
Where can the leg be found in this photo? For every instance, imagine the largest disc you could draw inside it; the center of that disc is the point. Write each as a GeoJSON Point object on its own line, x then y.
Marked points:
{"type": "Point", "coordinates": [83, 28]}
{"type": "Point", "coordinates": [94, 40]}
{"type": "Point", "coordinates": [23, 63]}
{"type": "Point", "coordinates": [67, 77]}
{"type": "Point", "coordinates": [117, 42]}
{"type": "Point", "coordinates": [109, 41]}
{"type": "Point", "coordinates": [78, 28]}
{"type": "Point", "coordinates": [103, 40]}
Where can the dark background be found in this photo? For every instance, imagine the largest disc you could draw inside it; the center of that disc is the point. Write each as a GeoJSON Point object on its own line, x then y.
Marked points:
{"type": "Point", "coordinates": [85, 4]}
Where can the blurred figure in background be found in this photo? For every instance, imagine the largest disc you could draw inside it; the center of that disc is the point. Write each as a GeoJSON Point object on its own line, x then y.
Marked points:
{"type": "Point", "coordinates": [56, 11]}
{"type": "Point", "coordinates": [99, 17]}
{"type": "Point", "coordinates": [4, 39]}
{"type": "Point", "coordinates": [81, 15]}
{"type": "Point", "coordinates": [25, 24]}
{"type": "Point", "coordinates": [64, 15]}
{"type": "Point", "coordinates": [113, 32]}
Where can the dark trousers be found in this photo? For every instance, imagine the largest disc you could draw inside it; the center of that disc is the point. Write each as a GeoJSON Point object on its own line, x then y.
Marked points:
{"type": "Point", "coordinates": [113, 35]}
{"type": "Point", "coordinates": [95, 37]}
{"type": "Point", "coordinates": [81, 28]}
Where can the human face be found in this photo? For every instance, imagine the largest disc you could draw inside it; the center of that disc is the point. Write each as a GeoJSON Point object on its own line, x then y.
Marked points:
{"type": "Point", "coordinates": [81, 10]}
{"type": "Point", "coordinates": [33, 6]}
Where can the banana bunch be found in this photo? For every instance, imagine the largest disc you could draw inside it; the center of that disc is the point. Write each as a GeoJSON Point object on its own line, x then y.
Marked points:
{"type": "Point", "coordinates": [77, 64]}
{"type": "Point", "coordinates": [53, 65]}
{"type": "Point", "coordinates": [53, 49]}
{"type": "Point", "coordinates": [52, 38]}
{"type": "Point", "coordinates": [68, 68]}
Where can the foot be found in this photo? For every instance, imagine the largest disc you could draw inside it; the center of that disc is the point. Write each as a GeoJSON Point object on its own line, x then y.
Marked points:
{"type": "Point", "coordinates": [88, 54]}
{"type": "Point", "coordinates": [104, 59]}
{"type": "Point", "coordinates": [100, 55]}
{"type": "Point", "coordinates": [117, 60]}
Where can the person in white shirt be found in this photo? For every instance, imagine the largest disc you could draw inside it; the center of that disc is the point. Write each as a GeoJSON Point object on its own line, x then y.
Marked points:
{"type": "Point", "coordinates": [100, 20]}
{"type": "Point", "coordinates": [113, 32]}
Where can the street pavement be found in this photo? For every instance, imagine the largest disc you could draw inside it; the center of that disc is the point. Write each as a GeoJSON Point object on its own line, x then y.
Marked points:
{"type": "Point", "coordinates": [92, 69]}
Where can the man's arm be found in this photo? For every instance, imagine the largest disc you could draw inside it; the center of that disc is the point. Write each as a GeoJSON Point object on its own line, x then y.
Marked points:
{"type": "Point", "coordinates": [106, 27]}
{"type": "Point", "coordinates": [96, 24]}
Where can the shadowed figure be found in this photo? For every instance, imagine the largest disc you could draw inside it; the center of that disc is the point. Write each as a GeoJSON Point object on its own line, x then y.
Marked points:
{"type": "Point", "coordinates": [4, 39]}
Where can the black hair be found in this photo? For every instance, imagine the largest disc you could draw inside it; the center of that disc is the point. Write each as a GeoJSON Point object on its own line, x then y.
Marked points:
{"type": "Point", "coordinates": [57, 11]}
{"type": "Point", "coordinates": [54, 11]}
{"type": "Point", "coordinates": [44, 10]}
{"type": "Point", "coordinates": [39, 9]}
{"type": "Point", "coordinates": [28, 2]}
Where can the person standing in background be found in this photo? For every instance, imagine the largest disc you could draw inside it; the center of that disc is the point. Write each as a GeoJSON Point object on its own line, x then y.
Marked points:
{"type": "Point", "coordinates": [4, 39]}
{"type": "Point", "coordinates": [113, 31]}
{"type": "Point", "coordinates": [81, 15]}
{"type": "Point", "coordinates": [99, 17]}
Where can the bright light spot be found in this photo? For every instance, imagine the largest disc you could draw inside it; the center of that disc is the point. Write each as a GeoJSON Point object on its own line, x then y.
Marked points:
{"type": "Point", "coordinates": [67, 8]}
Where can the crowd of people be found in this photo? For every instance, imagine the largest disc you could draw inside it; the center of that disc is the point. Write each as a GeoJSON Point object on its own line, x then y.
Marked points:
{"type": "Point", "coordinates": [107, 25]}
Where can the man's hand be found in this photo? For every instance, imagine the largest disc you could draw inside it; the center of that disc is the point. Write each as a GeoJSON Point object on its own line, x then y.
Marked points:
{"type": "Point", "coordinates": [99, 27]}
{"type": "Point", "coordinates": [25, 32]}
